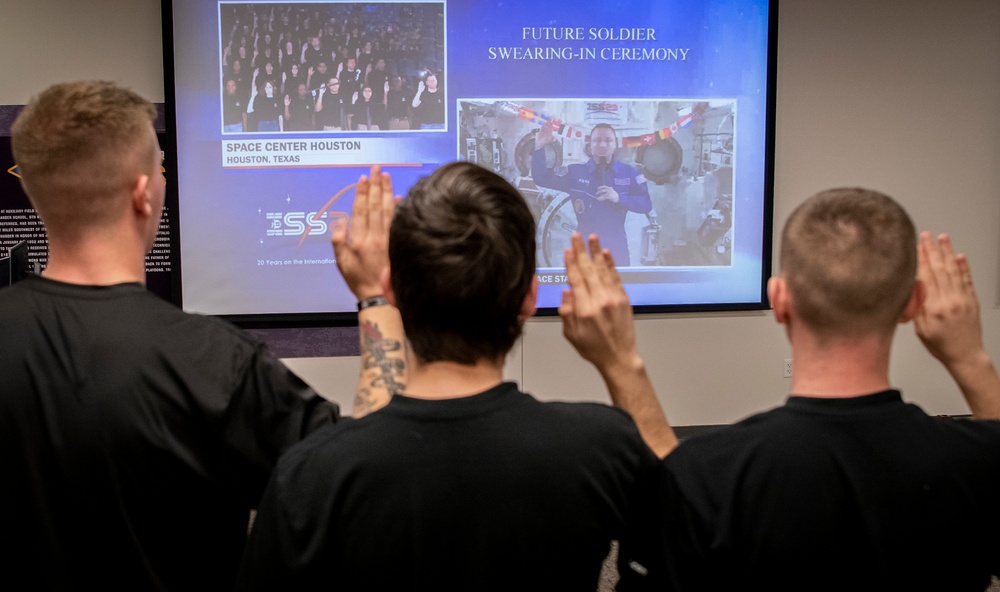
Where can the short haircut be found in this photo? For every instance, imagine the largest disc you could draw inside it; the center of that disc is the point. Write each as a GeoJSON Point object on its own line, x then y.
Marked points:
{"type": "Point", "coordinates": [849, 258]}
{"type": "Point", "coordinates": [601, 126]}
{"type": "Point", "coordinates": [462, 255]}
{"type": "Point", "coordinates": [604, 126]}
{"type": "Point", "coordinates": [78, 146]}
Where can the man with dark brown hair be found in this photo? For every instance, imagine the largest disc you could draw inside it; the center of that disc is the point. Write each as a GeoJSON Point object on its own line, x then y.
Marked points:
{"type": "Point", "coordinates": [461, 482]}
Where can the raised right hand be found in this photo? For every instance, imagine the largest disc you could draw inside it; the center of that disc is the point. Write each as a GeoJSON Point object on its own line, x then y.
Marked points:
{"type": "Point", "coordinates": [363, 253]}
{"type": "Point", "coordinates": [544, 135]}
{"type": "Point", "coordinates": [948, 324]}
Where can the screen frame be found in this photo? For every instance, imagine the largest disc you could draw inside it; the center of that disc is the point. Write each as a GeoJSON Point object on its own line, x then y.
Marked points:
{"type": "Point", "coordinates": [328, 319]}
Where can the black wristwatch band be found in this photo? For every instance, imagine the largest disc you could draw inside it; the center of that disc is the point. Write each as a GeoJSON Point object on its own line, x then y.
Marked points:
{"type": "Point", "coordinates": [372, 301]}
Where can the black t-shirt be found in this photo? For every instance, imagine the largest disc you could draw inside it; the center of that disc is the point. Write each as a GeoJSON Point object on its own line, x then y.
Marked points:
{"type": "Point", "coordinates": [431, 108]}
{"type": "Point", "coordinates": [377, 79]}
{"type": "Point", "coordinates": [369, 113]}
{"type": "Point", "coordinates": [496, 491]}
{"type": "Point", "coordinates": [267, 108]}
{"type": "Point", "coordinates": [333, 111]}
{"type": "Point", "coordinates": [350, 83]}
{"type": "Point", "coordinates": [233, 108]}
{"type": "Point", "coordinates": [134, 438]}
{"type": "Point", "coordinates": [301, 112]}
{"type": "Point", "coordinates": [398, 103]}
{"type": "Point", "coordinates": [314, 56]}
{"type": "Point", "coordinates": [291, 83]}
{"type": "Point", "coordinates": [862, 493]}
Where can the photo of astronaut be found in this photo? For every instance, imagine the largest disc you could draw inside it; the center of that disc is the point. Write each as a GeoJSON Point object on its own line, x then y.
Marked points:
{"type": "Point", "coordinates": [652, 178]}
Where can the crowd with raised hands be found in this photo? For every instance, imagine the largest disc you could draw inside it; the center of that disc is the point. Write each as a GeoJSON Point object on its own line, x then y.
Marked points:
{"type": "Point", "coordinates": [367, 65]}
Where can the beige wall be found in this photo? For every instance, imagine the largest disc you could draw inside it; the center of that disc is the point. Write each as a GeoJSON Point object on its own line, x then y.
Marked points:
{"type": "Point", "coordinates": [898, 95]}
{"type": "Point", "coordinates": [48, 41]}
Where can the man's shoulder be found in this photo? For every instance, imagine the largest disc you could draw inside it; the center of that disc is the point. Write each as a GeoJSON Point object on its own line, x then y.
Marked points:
{"type": "Point", "coordinates": [164, 316]}
{"type": "Point", "coordinates": [728, 444]}
{"type": "Point", "coordinates": [567, 425]}
{"type": "Point", "coordinates": [601, 427]}
{"type": "Point", "coordinates": [328, 453]}
{"type": "Point", "coordinates": [123, 308]}
{"type": "Point", "coordinates": [596, 415]}
{"type": "Point", "coordinates": [975, 432]}
{"type": "Point", "coordinates": [622, 168]}
{"type": "Point", "coordinates": [786, 435]}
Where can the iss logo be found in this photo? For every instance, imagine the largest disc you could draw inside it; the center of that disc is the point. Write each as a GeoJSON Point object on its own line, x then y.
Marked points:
{"type": "Point", "coordinates": [296, 223]}
{"type": "Point", "coordinates": [604, 107]}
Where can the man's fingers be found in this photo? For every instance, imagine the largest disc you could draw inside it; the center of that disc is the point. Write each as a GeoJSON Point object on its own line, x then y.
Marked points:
{"type": "Point", "coordinates": [604, 266]}
{"type": "Point", "coordinates": [388, 200]}
{"type": "Point", "coordinates": [949, 263]}
{"type": "Point", "coordinates": [339, 237]}
{"type": "Point", "coordinates": [936, 263]}
{"type": "Point", "coordinates": [576, 275]}
{"type": "Point", "coordinates": [388, 205]}
{"type": "Point", "coordinates": [339, 234]}
{"type": "Point", "coordinates": [572, 270]}
{"type": "Point", "coordinates": [965, 281]}
{"type": "Point", "coordinates": [578, 268]}
{"type": "Point", "coordinates": [595, 246]}
{"type": "Point", "coordinates": [965, 273]}
{"type": "Point", "coordinates": [566, 310]}
{"type": "Point", "coordinates": [360, 196]}
{"type": "Point", "coordinates": [359, 217]}
{"type": "Point", "coordinates": [567, 313]}
{"type": "Point", "coordinates": [585, 263]}
{"type": "Point", "coordinates": [609, 260]}
{"type": "Point", "coordinates": [374, 200]}
{"type": "Point", "coordinates": [924, 273]}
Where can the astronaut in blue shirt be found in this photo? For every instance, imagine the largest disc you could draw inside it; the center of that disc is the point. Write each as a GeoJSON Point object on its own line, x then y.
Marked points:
{"type": "Point", "coordinates": [602, 190]}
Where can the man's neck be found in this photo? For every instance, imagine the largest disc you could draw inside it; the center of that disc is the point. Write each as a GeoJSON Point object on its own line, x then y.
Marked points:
{"type": "Point", "coordinates": [840, 368]}
{"type": "Point", "coordinates": [95, 262]}
{"type": "Point", "coordinates": [451, 380]}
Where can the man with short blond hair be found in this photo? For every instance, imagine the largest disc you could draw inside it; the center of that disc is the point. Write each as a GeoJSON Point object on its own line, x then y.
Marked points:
{"type": "Point", "coordinates": [846, 486]}
{"type": "Point", "coordinates": [134, 438]}
{"type": "Point", "coordinates": [848, 256]}
{"type": "Point", "coordinates": [59, 150]}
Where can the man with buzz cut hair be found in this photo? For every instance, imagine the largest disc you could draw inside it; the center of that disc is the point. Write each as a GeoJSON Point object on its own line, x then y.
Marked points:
{"type": "Point", "coordinates": [134, 438]}
{"type": "Point", "coordinates": [462, 481]}
{"type": "Point", "coordinates": [846, 486]}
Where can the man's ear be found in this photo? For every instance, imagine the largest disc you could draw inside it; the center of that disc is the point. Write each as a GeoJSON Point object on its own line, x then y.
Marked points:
{"type": "Point", "coordinates": [777, 294]}
{"type": "Point", "coordinates": [384, 279]}
{"type": "Point", "coordinates": [530, 301]}
{"type": "Point", "coordinates": [140, 196]}
{"type": "Point", "coordinates": [915, 303]}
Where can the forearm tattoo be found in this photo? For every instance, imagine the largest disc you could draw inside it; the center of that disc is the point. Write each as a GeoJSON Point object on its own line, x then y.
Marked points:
{"type": "Point", "coordinates": [375, 355]}
{"type": "Point", "coordinates": [364, 402]}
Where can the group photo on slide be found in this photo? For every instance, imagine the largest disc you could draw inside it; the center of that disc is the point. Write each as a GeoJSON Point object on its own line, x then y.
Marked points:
{"type": "Point", "coordinates": [299, 67]}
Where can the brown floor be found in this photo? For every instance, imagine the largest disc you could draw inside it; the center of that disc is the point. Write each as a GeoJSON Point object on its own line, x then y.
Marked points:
{"type": "Point", "coordinates": [609, 574]}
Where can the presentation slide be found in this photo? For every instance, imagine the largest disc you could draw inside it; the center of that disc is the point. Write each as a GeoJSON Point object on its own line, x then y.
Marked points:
{"type": "Point", "coordinates": [645, 122]}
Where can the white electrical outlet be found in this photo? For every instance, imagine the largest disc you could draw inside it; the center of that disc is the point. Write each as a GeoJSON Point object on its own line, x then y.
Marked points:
{"type": "Point", "coordinates": [788, 368]}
